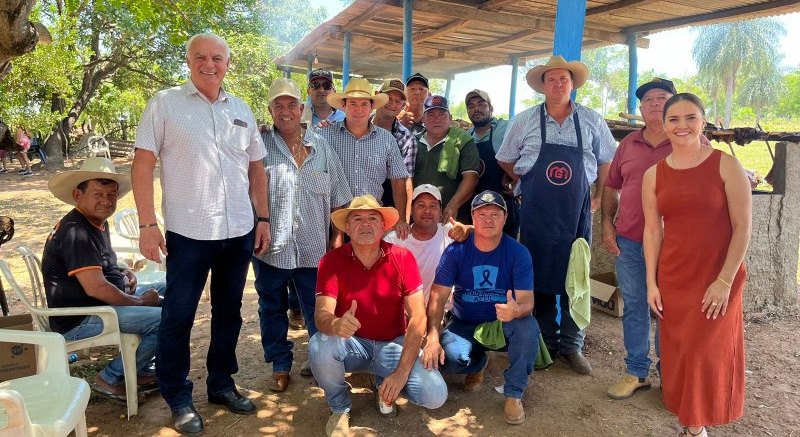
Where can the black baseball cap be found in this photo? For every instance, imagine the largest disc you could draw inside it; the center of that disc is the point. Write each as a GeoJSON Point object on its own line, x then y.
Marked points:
{"type": "Point", "coordinates": [418, 77]}
{"type": "Point", "coordinates": [656, 82]}
{"type": "Point", "coordinates": [319, 73]}
{"type": "Point", "coordinates": [488, 197]}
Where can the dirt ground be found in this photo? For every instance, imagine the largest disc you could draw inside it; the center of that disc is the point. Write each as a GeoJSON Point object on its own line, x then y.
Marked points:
{"type": "Point", "coordinates": [557, 402]}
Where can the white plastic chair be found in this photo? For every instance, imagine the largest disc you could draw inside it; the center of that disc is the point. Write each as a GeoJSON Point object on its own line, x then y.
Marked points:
{"type": "Point", "coordinates": [98, 145]}
{"type": "Point", "coordinates": [126, 225]}
{"type": "Point", "coordinates": [48, 404]}
{"type": "Point", "coordinates": [111, 335]}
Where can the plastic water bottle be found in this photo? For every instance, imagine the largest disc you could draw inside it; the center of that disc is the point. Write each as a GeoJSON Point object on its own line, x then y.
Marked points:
{"type": "Point", "coordinates": [72, 358]}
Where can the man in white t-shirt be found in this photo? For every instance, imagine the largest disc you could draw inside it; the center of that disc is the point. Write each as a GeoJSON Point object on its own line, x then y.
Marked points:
{"type": "Point", "coordinates": [428, 237]}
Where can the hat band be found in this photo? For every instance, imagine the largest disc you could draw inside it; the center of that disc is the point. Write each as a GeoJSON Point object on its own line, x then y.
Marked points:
{"type": "Point", "coordinates": [357, 94]}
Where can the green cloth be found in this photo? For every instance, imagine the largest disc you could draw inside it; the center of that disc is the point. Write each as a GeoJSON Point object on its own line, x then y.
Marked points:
{"type": "Point", "coordinates": [543, 358]}
{"type": "Point", "coordinates": [577, 284]}
{"type": "Point", "coordinates": [490, 335]}
{"type": "Point", "coordinates": [459, 157]}
{"type": "Point", "coordinates": [449, 159]}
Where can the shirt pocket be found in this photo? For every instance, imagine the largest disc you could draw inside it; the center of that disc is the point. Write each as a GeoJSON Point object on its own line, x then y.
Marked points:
{"type": "Point", "coordinates": [318, 184]}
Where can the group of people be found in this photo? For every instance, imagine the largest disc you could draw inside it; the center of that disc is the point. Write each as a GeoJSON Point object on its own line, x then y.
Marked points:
{"type": "Point", "coordinates": [15, 145]}
{"type": "Point", "coordinates": [414, 247]}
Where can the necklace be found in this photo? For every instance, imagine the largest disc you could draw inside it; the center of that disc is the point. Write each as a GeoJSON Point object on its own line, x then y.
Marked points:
{"type": "Point", "coordinates": [297, 148]}
{"type": "Point", "coordinates": [692, 165]}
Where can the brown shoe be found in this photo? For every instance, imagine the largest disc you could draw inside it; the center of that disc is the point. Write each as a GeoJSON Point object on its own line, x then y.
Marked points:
{"type": "Point", "coordinates": [146, 380]}
{"type": "Point", "coordinates": [513, 412]}
{"type": "Point", "coordinates": [296, 320]}
{"type": "Point", "coordinates": [279, 381]}
{"type": "Point", "coordinates": [474, 381]}
{"type": "Point", "coordinates": [627, 387]}
{"type": "Point", "coordinates": [578, 363]}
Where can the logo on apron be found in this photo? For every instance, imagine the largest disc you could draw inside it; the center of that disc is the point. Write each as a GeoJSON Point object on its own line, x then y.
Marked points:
{"type": "Point", "coordinates": [559, 173]}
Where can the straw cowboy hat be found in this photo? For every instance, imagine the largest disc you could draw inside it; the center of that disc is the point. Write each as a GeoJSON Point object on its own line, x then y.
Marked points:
{"type": "Point", "coordinates": [357, 88]}
{"type": "Point", "coordinates": [361, 203]}
{"type": "Point", "coordinates": [580, 72]}
{"type": "Point", "coordinates": [62, 184]}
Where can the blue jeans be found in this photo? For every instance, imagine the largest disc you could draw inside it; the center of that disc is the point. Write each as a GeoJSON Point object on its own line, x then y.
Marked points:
{"type": "Point", "coordinates": [464, 354]}
{"type": "Point", "coordinates": [632, 280]}
{"type": "Point", "coordinates": [561, 337]}
{"type": "Point", "coordinates": [332, 357]}
{"type": "Point", "coordinates": [188, 265]}
{"type": "Point", "coordinates": [271, 283]}
{"type": "Point", "coordinates": [294, 299]}
{"type": "Point", "coordinates": [141, 320]}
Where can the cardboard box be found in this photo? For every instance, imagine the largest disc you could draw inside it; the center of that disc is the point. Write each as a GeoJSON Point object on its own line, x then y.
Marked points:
{"type": "Point", "coordinates": [606, 296]}
{"type": "Point", "coordinates": [17, 359]}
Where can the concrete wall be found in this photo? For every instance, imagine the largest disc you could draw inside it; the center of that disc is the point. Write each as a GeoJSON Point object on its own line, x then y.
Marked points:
{"type": "Point", "coordinates": [772, 257]}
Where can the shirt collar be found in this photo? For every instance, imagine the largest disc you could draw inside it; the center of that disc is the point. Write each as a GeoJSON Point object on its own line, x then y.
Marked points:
{"type": "Point", "coordinates": [190, 89]}
{"type": "Point", "coordinates": [385, 249]}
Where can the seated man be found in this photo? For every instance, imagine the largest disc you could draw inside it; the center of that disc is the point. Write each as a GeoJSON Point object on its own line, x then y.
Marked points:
{"type": "Point", "coordinates": [493, 280]}
{"type": "Point", "coordinates": [80, 269]}
{"type": "Point", "coordinates": [429, 237]}
{"type": "Point", "coordinates": [364, 291]}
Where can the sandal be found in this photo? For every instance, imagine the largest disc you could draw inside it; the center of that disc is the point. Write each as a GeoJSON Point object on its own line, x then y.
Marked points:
{"type": "Point", "coordinates": [687, 433]}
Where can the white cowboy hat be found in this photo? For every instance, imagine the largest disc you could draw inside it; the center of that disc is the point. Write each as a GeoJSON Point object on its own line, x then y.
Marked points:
{"type": "Point", "coordinates": [62, 184]}
{"type": "Point", "coordinates": [580, 72]}
{"type": "Point", "coordinates": [365, 202]}
{"type": "Point", "coordinates": [358, 88]}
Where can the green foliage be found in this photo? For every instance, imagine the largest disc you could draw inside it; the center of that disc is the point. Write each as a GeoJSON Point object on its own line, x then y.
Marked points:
{"type": "Point", "coordinates": [606, 90]}
{"type": "Point", "coordinates": [789, 100]}
{"type": "Point", "coordinates": [459, 111]}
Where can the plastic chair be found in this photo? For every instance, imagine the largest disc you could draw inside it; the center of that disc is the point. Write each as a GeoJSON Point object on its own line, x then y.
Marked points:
{"type": "Point", "coordinates": [98, 145]}
{"type": "Point", "coordinates": [49, 404]}
{"type": "Point", "coordinates": [111, 335]}
{"type": "Point", "coordinates": [126, 225]}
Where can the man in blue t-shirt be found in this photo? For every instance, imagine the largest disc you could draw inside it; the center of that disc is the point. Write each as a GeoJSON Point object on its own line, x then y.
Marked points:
{"type": "Point", "coordinates": [491, 276]}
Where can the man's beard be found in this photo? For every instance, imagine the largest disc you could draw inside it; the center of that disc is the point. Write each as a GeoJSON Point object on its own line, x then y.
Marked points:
{"type": "Point", "coordinates": [483, 123]}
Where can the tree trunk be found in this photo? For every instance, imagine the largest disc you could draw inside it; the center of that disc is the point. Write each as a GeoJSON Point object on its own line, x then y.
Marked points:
{"type": "Point", "coordinates": [729, 84]}
{"type": "Point", "coordinates": [17, 35]}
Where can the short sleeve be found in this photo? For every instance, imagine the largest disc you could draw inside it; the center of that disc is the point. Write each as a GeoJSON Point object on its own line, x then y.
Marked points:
{"type": "Point", "coordinates": [327, 276]}
{"type": "Point", "coordinates": [469, 159]}
{"type": "Point", "coordinates": [150, 134]}
{"type": "Point", "coordinates": [412, 281]}
{"type": "Point", "coordinates": [77, 250]}
{"type": "Point", "coordinates": [604, 140]}
{"type": "Point", "coordinates": [614, 178]}
{"type": "Point", "coordinates": [256, 149]}
{"type": "Point", "coordinates": [512, 142]}
{"type": "Point", "coordinates": [447, 271]}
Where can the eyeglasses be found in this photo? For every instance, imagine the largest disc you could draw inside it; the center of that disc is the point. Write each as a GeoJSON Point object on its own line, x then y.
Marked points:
{"type": "Point", "coordinates": [327, 86]}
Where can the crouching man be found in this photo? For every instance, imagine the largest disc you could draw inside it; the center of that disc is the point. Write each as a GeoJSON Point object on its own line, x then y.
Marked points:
{"type": "Point", "coordinates": [492, 280]}
{"type": "Point", "coordinates": [364, 291]}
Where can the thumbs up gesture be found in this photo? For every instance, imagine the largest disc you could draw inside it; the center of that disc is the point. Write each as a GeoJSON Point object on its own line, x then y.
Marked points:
{"type": "Point", "coordinates": [348, 324]}
{"type": "Point", "coordinates": [507, 311]}
{"type": "Point", "coordinates": [459, 231]}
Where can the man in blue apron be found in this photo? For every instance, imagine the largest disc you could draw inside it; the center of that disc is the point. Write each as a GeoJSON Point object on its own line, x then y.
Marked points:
{"type": "Point", "coordinates": [553, 152]}
{"type": "Point", "coordinates": [488, 133]}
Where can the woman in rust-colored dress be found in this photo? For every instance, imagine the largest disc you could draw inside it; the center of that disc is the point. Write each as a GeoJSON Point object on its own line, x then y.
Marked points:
{"type": "Point", "coordinates": [697, 207]}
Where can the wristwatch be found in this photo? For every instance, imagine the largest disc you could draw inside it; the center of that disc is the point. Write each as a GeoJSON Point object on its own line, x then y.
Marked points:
{"type": "Point", "coordinates": [263, 219]}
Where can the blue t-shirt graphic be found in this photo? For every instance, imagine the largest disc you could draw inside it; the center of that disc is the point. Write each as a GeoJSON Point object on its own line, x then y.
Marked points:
{"type": "Point", "coordinates": [481, 279]}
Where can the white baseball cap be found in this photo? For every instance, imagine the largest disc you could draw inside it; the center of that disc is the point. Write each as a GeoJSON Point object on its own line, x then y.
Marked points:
{"type": "Point", "coordinates": [426, 188]}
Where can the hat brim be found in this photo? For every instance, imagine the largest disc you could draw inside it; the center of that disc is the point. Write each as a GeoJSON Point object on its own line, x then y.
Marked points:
{"type": "Point", "coordinates": [580, 73]}
{"type": "Point", "coordinates": [337, 99]}
{"type": "Point", "coordinates": [62, 184]}
{"type": "Point", "coordinates": [390, 216]}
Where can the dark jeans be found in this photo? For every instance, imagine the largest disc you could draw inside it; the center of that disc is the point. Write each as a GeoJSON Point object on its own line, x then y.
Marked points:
{"type": "Point", "coordinates": [188, 265]}
{"type": "Point", "coordinates": [464, 354]}
{"type": "Point", "coordinates": [294, 299]}
{"type": "Point", "coordinates": [563, 336]}
{"type": "Point", "coordinates": [271, 285]}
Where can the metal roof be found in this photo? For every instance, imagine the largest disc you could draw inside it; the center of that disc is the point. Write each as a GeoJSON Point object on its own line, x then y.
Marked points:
{"type": "Point", "coordinates": [453, 37]}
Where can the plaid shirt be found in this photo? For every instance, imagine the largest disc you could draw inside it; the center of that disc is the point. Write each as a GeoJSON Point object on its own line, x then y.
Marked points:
{"type": "Point", "coordinates": [407, 143]}
{"type": "Point", "coordinates": [367, 161]}
{"type": "Point", "coordinates": [523, 139]}
{"type": "Point", "coordinates": [300, 201]}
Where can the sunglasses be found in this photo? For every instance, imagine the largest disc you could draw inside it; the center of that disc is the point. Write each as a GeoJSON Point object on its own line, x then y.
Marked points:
{"type": "Point", "coordinates": [327, 86]}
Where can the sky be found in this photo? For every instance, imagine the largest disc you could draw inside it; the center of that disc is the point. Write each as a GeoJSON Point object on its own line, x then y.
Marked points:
{"type": "Point", "coordinates": [670, 52]}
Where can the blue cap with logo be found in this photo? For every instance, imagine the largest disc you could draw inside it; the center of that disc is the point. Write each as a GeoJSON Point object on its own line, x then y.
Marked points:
{"type": "Point", "coordinates": [436, 102]}
{"type": "Point", "coordinates": [488, 197]}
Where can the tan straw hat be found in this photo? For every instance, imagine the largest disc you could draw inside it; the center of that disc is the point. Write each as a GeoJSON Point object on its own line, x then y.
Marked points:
{"type": "Point", "coordinates": [62, 184]}
{"type": "Point", "coordinates": [283, 87]}
{"type": "Point", "coordinates": [358, 88]}
{"type": "Point", "coordinates": [580, 72]}
{"type": "Point", "coordinates": [365, 202]}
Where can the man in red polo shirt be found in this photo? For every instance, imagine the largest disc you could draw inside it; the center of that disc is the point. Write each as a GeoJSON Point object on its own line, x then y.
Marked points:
{"type": "Point", "coordinates": [370, 313]}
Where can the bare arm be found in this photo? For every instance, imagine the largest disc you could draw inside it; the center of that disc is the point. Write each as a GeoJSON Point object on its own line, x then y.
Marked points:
{"type": "Point", "coordinates": [393, 384]}
{"type": "Point", "coordinates": [602, 173]}
{"type": "Point", "coordinates": [609, 208]}
{"type": "Point", "coordinates": [433, 354]}
{"type": "Point", "coordinates": [400, 195]}
{"type": "Point", "coordinates": [466, 188]}
{"type": "Point", "coordinates": [151, 240]}
{"type": "Point", "coordinates": [96, 286]}
{"type": "Point", "coordinates": [259, 197]}
{"type": "Point", "coordinates": [508, 167]}
{"type": "Point", "coordinates": [653, 235]}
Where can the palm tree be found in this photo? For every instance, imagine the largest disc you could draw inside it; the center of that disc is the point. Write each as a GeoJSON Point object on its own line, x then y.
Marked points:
{"type": "Point", "coordinates": [761, 90]}
{"type": "Point", "coordinates": [737, 51]}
